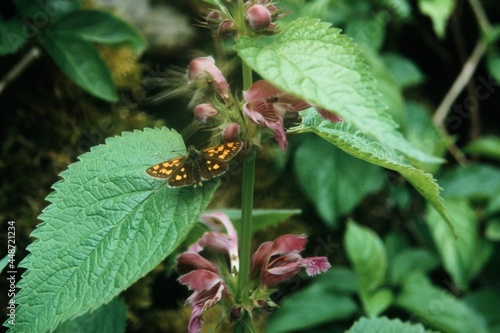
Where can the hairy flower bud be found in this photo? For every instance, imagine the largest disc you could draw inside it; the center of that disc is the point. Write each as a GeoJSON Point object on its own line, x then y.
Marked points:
{"type": "Point", "coordinates": [227, 28]}
{"type": "Point", "coordinates": [204, 68]}
{"type": "Point", "coordinates": [232, 133]}
{"type": "Point", "coordinates": [258, 17]}
{"type": "Point", "coordinates": [205, 113]}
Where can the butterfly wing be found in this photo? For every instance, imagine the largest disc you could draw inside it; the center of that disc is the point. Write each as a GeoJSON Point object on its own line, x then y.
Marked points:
{"type": "Point", "coordinates": [214, 161]}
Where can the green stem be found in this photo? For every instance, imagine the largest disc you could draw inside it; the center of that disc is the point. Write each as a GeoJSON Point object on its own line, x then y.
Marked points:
{"type": "Point", "coordinates": [245, 236]}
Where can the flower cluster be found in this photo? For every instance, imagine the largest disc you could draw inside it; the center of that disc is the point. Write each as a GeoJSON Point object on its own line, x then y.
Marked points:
{"type": "Point", "coordinates": [213, 283]}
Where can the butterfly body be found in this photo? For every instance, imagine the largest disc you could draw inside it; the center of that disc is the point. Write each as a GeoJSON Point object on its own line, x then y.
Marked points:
{"type": "Point", "coordinates": [196, 166]}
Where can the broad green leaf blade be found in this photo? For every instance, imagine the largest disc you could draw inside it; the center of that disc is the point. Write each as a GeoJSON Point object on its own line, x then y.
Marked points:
{"type": "Point", "coordinates": [348, 139]}
{"type": "Point", "coordinates": [81, 62]}
{"type": "Point", "coordinates": [313, 61]}
{"type": "Point", "coordinates": [462, 255]}
{"type": "Point", "coordinates": [492, 231]}
{"type": "Point", "coordinates": [367, 254]}
{"type": "Point", "coordinates": [99, 27]}
{"type": "Point", "coordinates": [341, 182]}
{"type": "Point", "coordinates": [377, 302]}
{"type": "Point", "coordinates": [439, 12]}
{"type": "Point", "coordinates": [339, 279]}
{"type": "Point", "coordinates": [438, 308]}
{"type": "Point", "coordinates": [108, 225]}
{"type": "Point", "coordinates": [385, 325]}
{"type": "Point", "coordinates": [110, 317]}
{"type": "Point", "coordinates": [310, 307]}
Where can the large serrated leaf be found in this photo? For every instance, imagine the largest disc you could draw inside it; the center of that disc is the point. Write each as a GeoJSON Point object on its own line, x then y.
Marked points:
{"type": "Point", "coordinates": [347, 138]}
{"type": "Point", "coordinates": [81, 62]}
{"type": "Point", "coordinates": [313, 61]}
{"type": "Point", "coordinates": [110, 317]}
{"type": "Point", "coordinates": [108, 225]}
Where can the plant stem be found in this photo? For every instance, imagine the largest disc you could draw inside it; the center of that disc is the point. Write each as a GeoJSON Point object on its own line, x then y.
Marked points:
{"type": "Point", "coordinates": [245, 236]}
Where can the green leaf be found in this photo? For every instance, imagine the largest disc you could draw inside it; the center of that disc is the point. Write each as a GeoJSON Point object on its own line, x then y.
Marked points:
{"type": "Point", "coordinates": [493, 62]}
{"type": "Point", "coordinates": [477, 182]}
{"type": "Point", "coordinates": [462, 255]}
{"type": "Point", "coordinates": [42, 10]}
{"type": "Point", "coordinates": [341, 182]}
{"type": "Point", "coordinates": [13, 35]}
{"type": "Point", "coordinates": [411, 260]}
{"type": "Point", "coordinates": [99, 27]}
{"type": "Point", "coordinates": [404, 70]}
{"type": "Point", "coordinates": [358, 145]}
{"type": "Point", "coordinates": [438, 308]}
{"type": "Point", "coordinates": [492, 231]}
{"type": "Point", "coordinates": [4, 262]}
{"type": "Point", "coordinates": [385, 325]}
{"type": "Point", "coordinates": [377, 302]}
{"type": "Point", "coordinates": [487, 146]}
{"type": "Point", "coordinates": [81, 62]}
{"type": "Point", "coordinates": [108, 318]}
{"type": "Point", "coordinates": [439, 11]}
{"type": "Point", "coordinates": [108, 225]}
{"type": "Point", "coordinates": [486, 302]}
{"type": "Point", "coordinates": [315, 62]}
{"type": "Point", "coordinates": [423, 134]}
{"type": "Point", "coordinates": [310, 307]}
{"type": "Point", "coordinates": [339, 280]}
{"type": "Point", "coordinates": [367, 254]}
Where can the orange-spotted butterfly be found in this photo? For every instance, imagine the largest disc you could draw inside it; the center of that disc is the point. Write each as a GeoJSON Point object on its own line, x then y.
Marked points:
{"type": "Point", "coordinates": [196, 166]}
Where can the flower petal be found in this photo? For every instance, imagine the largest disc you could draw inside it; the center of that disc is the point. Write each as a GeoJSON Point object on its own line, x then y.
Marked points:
{"type": "Point", "coordinates": [288, 243]}
{"type": "Point", "coordinates": [315, 265]}
{"type": "Point", "coordinates": [200, 279]}
{"type": "Point", "coordinates": [190, 261]}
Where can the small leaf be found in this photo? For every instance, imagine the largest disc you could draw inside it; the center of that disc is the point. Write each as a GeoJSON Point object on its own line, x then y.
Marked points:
{"type": "Point", "coordinates": [13, 35]}
{"type": "Point", "coordinates": [423, 134]}
{"type": "Point", "coordinates": [367, 254]}
{"type": "Point", "coordinates": [487, 146]}
{"type": "Point", "coordinates": [410, 260]}
{"type": "Point", "coordinates": [377, 302]}
{"type": "Point", "coordinates": [99, 27]}
{"type": "Point", "coordinates": [111, 317]}
{"type": "Point", "coordinates": [463, 254]}
{"type": "Point", "coordinates": [315, 62]}
{"type": "Point", "coordinates": [358, 145]}
{"type": "Point", "coordinates": [341, 182]}
{"type": "Point", "coordinates": [81, 62]}
{"type": "Point", "coordinates": [439, 12]}
{"type": "Point", "coordinates": [438, 308]}
{"type": "Point", "coordinates": [310, 307]}
{"type": "Point", "coordinates": [492, 231]}
{"type": "Point", "coordinates": [108, 225]}
{"type": "Point", "coordinates": [493, 61]}
{"type": "Point", "coordinates": [404, 70]}
{"type": "Point", "coordinates": [385, 325]}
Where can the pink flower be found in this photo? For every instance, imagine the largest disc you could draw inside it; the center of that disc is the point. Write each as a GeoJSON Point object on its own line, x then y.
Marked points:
{"type": "Point", "coordinates": [204, 68]}
{"type": "Point", "coordinates": [280, 260]}
{"type": "Point", "coordinates": [212, 283]}
{"type": "Point", "coordinates": [267, 105]}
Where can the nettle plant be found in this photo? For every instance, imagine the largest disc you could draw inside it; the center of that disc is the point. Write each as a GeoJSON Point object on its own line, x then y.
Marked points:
{"type": "Point", "coordinates": [130, 203]}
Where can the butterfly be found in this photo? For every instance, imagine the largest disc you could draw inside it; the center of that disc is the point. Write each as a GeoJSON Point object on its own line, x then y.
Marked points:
{"type": "Point", "coordinates": [196, 166]}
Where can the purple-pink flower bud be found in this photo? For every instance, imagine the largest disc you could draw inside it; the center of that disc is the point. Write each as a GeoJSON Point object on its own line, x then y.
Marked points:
{"type": "Point", "coordinates": [205, 113]}
{"type": "Point", "coordinates": [258, 17]}
{"type": "Point", "coordinates": [232, 133]}
{"type": "Point", "coordinates": [204, 68]}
